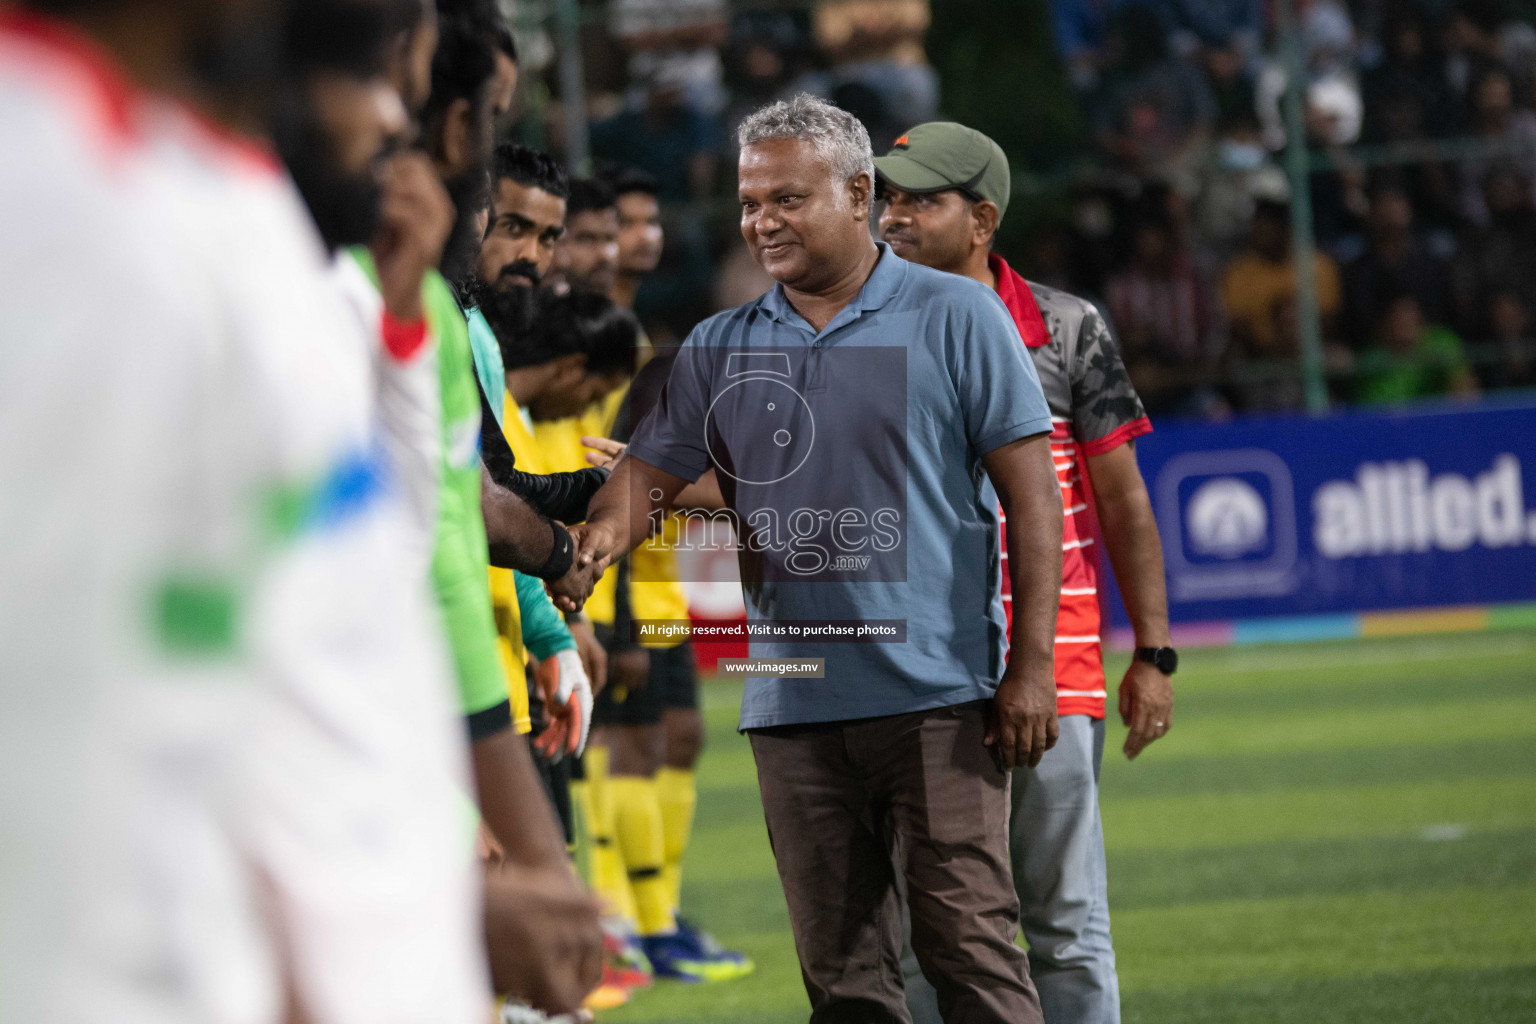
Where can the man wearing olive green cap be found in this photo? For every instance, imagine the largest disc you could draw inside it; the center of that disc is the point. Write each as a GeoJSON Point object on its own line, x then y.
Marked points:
{"type": "Point", "coordinates": [942, 156]}
{"type": "Point", "coordinates": [945, 188]}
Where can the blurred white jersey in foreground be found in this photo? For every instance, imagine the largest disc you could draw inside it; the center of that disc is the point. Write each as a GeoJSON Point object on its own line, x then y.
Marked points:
{"type": "Point", "coordinates": [230, 768]}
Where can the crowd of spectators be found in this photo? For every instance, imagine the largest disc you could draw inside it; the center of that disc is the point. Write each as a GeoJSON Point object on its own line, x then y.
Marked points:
{"type": "Point", "coordinates": [1177, 219]}
{"type": "Point", "coordinates": [669, 81]}
{"type": "Point", "coordinates": [1422, 213]}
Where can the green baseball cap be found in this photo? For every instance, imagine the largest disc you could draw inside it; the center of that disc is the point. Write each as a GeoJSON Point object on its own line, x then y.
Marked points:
{"type": "Point", "coordinates": [943, 155]}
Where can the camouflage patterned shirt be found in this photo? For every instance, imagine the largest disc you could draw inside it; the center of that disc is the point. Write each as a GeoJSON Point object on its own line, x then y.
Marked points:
{"type": "Point", "coordinates": [1094, 408]}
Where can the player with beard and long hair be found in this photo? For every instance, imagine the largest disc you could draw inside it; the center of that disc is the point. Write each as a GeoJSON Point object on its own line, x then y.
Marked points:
{"type": "Point", "coordinates": [469, 80]}
{"type": "Point", "coordinates": [523, 221]}
{"type": "Point", "coordinates": [526, 216]}
{"type": "Point", "coordinates": [341, 130]}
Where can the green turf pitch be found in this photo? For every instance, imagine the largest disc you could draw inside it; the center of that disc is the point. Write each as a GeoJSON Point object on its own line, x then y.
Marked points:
{"type": "Point", "coordinates": [1339, 832]}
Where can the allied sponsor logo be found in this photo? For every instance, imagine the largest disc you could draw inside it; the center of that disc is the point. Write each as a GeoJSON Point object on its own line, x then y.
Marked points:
{"type": "Point", "coordinates": [1393, 508]}
{"type": "Point", "coordinates": [1227, 518]}
{"type": "Point", "coordinates": [1301, 521]}
{"type": "Point", "coordinates": [1235, 518]}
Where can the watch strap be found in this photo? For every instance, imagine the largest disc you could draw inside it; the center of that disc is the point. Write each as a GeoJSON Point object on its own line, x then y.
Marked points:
{"type": "Point", "coordinates": [1164, 659]}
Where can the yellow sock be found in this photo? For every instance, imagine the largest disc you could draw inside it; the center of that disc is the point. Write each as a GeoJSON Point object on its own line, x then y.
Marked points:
{"type": "Point", "coordinates": [594, 764]}
{"type": "Point", "coordinates": [607, 863]}
{"type": "Point", "coordinates": [644, 851]}
{"type": "Point", "coordinates": [678, 793]}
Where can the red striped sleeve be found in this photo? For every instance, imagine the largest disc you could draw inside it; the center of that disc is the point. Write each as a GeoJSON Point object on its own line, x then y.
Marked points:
{"type": "Point", "coordinates": [1117, 437]}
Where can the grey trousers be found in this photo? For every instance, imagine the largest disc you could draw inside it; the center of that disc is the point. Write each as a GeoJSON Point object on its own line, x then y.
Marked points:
{"type": "Point", "coordinates": [1056, 842]}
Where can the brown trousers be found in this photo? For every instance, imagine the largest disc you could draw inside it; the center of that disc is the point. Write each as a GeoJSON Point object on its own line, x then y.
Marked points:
{"type": "Point", "coordinates": [832, 794]}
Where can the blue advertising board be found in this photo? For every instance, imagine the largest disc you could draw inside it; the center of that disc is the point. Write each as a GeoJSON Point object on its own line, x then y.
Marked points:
{"type": "Point", "coordinates": [1353, 512]}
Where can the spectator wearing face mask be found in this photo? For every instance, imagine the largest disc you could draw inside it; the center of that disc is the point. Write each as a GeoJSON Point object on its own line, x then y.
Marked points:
{"type": "Point", "coordinates": [1238, 169]}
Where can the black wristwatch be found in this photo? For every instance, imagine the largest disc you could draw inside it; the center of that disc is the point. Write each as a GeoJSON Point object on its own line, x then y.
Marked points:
{"type": "Point", "coordinates": [1165, 658]}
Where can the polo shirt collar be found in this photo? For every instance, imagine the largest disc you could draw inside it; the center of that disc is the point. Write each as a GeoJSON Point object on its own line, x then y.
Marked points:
{"type": "Point", "coordinates": [1015, 293]}
{"type": "Point", "coordinates": [884, 283]}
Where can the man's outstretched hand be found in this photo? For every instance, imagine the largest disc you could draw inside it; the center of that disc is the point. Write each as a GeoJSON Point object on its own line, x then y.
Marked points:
{"type": "Point", "coordinates": [1022, 723]}
{"type": "Point", "coordinates": [596, 543]}
{"type": "Point", "coordinates": [571, 591]}
{"type": "Point", "coordinates": [604, 451]}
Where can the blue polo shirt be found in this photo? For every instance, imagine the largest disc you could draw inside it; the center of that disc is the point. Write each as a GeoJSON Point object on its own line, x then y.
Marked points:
{"type": "Point", "coordinates": [851, 459]}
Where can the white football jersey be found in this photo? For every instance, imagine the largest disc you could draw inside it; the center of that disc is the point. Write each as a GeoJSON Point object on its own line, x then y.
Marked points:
{"type": "Point", "coordinates": [409, 408]}
{"type": "Point", "coordinates": [126, 563]}
{"type": "Point", "coordinates": [228, 746]}
{"type": "Point", "coordinates": [355, 813]}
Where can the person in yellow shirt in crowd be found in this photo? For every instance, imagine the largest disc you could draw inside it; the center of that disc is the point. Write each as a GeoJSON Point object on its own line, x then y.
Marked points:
{"type": "Point", "coordinates": [1258, 292]}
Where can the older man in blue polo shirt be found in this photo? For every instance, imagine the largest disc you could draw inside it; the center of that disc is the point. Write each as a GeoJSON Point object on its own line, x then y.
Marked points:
{"type": "Point", "coordinates": [865, 418]}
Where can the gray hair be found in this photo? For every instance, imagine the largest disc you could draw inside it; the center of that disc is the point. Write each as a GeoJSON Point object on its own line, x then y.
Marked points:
{"type": "Point", "coordinates": [836, 135]}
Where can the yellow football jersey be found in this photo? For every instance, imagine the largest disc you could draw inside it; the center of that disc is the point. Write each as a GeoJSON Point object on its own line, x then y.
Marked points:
{"type": "Point", "coordinates": [509, 637]}
{"type": "Point", "coordinates": [554, 446]}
